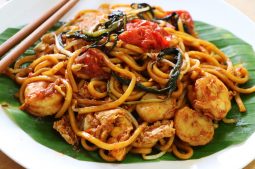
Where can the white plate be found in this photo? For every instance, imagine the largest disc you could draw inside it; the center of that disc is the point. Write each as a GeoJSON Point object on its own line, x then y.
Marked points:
{"type": "Point", "coordinates": [27, 152]}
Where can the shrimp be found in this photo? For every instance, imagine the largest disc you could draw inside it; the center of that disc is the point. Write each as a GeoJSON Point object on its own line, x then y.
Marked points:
{"type": "Point", "coordinates": [151, 112]}
{"type": "Point", "coordinates": [193, 127]}
{"type": "Point", "coordinates": [110, 126]}
{"type": "Point", "coordinates": [210, 96]}
{"type": "Point", "coordinates": [41, 99]}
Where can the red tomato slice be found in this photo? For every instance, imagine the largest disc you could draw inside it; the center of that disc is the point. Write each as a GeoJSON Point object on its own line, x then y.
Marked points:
{"type": "Point", "coordinates": [93, 63]}
{"type": "Point", "coordinates": [186, 19]}
{"type": "Point", "coordinates": [145, 34]}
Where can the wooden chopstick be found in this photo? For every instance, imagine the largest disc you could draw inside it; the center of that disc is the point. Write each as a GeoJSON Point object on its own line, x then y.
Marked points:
{"type": "Point", "coordinates": [34, 36]}
{"type": "Point", "coordinates": [11, 42]}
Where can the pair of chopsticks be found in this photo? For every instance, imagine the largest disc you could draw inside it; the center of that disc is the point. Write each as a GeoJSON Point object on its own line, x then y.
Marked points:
{"type": "Point", "coordinates": [35, 29]}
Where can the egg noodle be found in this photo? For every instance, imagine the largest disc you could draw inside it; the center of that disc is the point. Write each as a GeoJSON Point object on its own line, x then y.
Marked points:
{"type": "Point", "coordinates": [130, 78]}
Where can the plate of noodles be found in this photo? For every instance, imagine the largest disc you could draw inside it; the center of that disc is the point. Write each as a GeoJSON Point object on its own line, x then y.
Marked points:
{"type": "Point", "coordinates": [131, 84]}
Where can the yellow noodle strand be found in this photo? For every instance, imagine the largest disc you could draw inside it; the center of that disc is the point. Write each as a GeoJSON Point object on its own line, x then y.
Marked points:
{"type": "Point", "coordinates": [68, 99]}
{"type": "Point", "coordinates": [98, 142]}
{"type": "Point", "coordinates": [118, 102]}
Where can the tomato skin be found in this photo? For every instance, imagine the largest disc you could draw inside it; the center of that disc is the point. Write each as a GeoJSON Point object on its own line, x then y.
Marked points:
{"type": "Point", "coordinates": [145, 34]}
{"type": "Point", "coordinates": [93, 63]}
{"type": "Point", "coordinates": [186, 19]}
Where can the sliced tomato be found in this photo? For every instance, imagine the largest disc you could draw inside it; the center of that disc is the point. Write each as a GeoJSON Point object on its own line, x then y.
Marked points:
{"type": "Point", "coordinates": [186, 19]}
{"type": "Point", "coordinates": [93, 62]}
{"type": "Point", "coordinates": [145, 34]}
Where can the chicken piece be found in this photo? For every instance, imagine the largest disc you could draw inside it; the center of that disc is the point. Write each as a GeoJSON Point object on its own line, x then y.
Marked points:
{"type": "Point", "coordinates": [193, 127]}
{"type": "Point", "coordinates": [48, 38]}
{"type": "Point", "coordinates": [89, 122]}
{"type": "Point", "coordinates": [120, 132]}
{"type": "Point", "coordinates": [88, 20]}
{"type": "Point", "coordinates": [46, 44]}
{"type": "Point", "coordinates": [63, 126]}
{"type": "Point", "coordinates": [155, 132]}
{"type": "Point", "coordinates": [210, 96]}
{"type": "Point", "coordinates": [115, 118]}
{"type": "Point", "coordinates": [119, 154]}
{"type": "Point", "coordinates": [41, 99]}
{"type": "Point", "coordinates": [115, 123]}
{"type": "Point", "coordinates": [151, 112]}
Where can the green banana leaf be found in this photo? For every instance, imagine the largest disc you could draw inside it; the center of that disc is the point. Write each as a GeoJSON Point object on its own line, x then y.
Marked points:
{"type": "Point", "coordinates": [227, 134]}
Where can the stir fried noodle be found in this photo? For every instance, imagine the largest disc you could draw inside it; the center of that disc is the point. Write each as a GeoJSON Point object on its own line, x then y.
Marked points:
{"type": "Point", "coordinates": [130, 78]}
